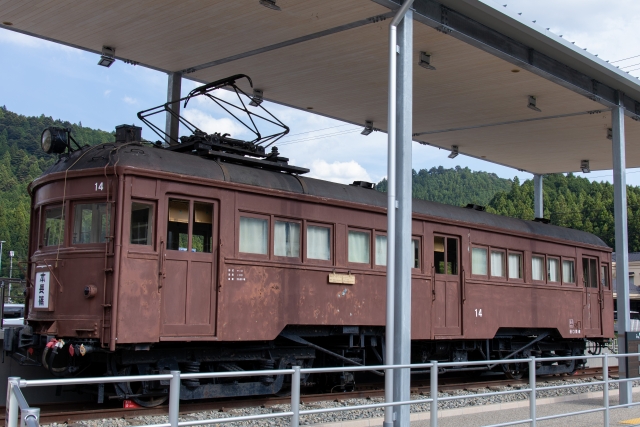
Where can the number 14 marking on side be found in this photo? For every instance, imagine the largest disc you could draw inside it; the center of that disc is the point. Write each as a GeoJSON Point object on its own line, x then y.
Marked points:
{"type": "Point", "coordinates": [100, 186]}
{"type": "Point", "coordinates": [478, 312]}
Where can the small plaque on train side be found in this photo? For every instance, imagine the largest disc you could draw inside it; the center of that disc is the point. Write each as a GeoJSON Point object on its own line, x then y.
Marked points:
{"type": "Point", "coordinates": [343, 279]}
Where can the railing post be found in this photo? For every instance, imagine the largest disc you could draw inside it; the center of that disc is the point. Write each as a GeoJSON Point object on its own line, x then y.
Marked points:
{"type": "Point", "coordinates": [30, 417]}
{"type": "Point", "coordinates": [532, 386]}
{"type": "Point", "coordinates": [295, 396]}
{"type": "Point", "coordinates": [11, 414]}
{"type": "Point", "coordinates": [605, 388]}
{"type": "Point", "coordinates": [434, 394]}
{"type": "Point", "coordinates": [174, 398]}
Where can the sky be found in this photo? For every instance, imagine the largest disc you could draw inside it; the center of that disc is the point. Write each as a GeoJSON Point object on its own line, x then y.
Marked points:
{"type": "Point", "coordinates": [41, 77]}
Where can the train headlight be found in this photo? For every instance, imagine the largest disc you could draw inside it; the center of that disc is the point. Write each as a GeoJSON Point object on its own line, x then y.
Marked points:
{"type": "Point", "coordinates": [54, 140]}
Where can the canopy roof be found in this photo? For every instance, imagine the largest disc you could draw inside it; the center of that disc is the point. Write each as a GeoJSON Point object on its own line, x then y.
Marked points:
{"type": "Point", "coordinates": [330, 57]}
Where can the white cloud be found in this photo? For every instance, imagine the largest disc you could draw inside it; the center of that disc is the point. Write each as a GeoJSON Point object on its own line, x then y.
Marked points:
{"type": "Point", "coordinates": [210, 124]}
{"type": "Point", "coordinates": [107, 92]}
{"type": "Point", "coordinates": [342, 172]}
{"type": "Point", "coordinates": [129, 100]}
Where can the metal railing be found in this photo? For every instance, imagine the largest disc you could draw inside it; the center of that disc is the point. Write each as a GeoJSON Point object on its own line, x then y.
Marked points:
{"type": "Point", "coordinates": [18, 408]}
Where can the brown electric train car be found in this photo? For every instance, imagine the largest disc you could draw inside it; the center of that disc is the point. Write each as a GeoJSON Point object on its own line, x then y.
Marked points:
{"type": "Point", "coordinates": [145, 259]}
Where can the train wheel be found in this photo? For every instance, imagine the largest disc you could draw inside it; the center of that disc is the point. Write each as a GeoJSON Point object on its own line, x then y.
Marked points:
{"type": "Point", "coordinates": [147, 394]}
{"type": "Point", "coordinates": [513, 371]}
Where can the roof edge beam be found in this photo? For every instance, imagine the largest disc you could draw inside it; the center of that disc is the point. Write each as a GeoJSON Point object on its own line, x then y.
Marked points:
{"type": "Point", "coordinates": [448, 21]}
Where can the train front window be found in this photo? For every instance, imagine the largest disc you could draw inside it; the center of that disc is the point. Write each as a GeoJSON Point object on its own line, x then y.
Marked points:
{"type": "Point", "coordinates": [286, 239]}
{"type": "Point", "coordinates": [178, 225]}
{"type": "Point", "coordinates": [141, 224]}
{"type": "Point", "coordinates": [90, 223]}
{"type": "Point", "coordinates": [202, 233]}
{"type": "Point", "coordinates": [54, 226]}
{"type": "Point", "coordinates": [589, 273]}
{"type": "Point", "coordinates": [445, 255]}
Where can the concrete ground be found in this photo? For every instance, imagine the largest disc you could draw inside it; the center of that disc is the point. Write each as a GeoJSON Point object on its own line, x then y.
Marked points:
{"type": "Point", "coordinates": [506, 415]}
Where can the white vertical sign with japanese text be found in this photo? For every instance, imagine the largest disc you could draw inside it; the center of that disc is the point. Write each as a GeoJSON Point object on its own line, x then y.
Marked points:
{"type": "Point", "coordinates": [41, 299]}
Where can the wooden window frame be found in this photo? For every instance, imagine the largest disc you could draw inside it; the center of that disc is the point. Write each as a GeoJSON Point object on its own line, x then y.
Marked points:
{"type": "Point", "coordinates": [522, 266]}
{"type": "Point", "coordinates": [375, 234]}
{"type": "Point", "coordinates": [249, 255]}
{"type": "Point", "coordinates": [371, 247]}
{"type": "Point", "coordinates": [487, 249]}
{"type": "Point", "coordinates": [72, 217]}
{"type": "Point", "coordinates": [559, 259]}
{"type": "Point", "coordinates": [544, 266]}
{"type": "Point", "coordinates": [154, 227]}
{"type": "Point", "coordinates": [420, 254]}
{"type": "Point", "coordinates": [43, 225]}
{"type": "Point", "coordinates": [504, 265]}
{"type": "Point", "coordinates": [575, 276]}
{"type": "Point", "coordinates": [332, 244]}
{"type": "Point", "coordinates": [607, 270]}
{"type": "Point", "coordinates": [272, 240]}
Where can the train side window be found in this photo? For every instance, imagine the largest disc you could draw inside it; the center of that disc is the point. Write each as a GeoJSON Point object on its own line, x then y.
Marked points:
{"type": "Point", "coordinates": [178, 225]}
{"type": "Point", "coordinates": [438, 254]}
{"type": "Point", "coordinates": [452, 255]}
{"type": "Point", "coordinates": [553, 270]}
{"type": "Point", "coordinates": [254, 235]}
{"type": "Point", "coordinates": [286, 239]}
{"type": "Point", "coordinates": [53, 226]}
{"type": "Point", "coordinates": [479, 261]}
{"type": "Point", "coordinates": [415, 250]}
{"type": "Point", "coordinates": [381, 249]}
{"type": "Point", "coordinates": [568, 271]}
{"type": "Point", "coordinates": [604, 275]}
{"type": "Point", "coordinates": [497, 263]}
{"type": "Point", "coordinates": [202, 231]}
{"type": "Point", "coordinates": [90, 223]}
{"type": "Point", "coordinates": [515, 265]}
{"type": "Point", "coordinates": [141, 224]}
{"type": "Point", "coordinates": [318, 242]}
{"type": "Point", "coordinates": [589, 273]}
{"type": "Point", "coordinates": [537, 268]}
{"type": "Point", "coordinates": [359, 247]}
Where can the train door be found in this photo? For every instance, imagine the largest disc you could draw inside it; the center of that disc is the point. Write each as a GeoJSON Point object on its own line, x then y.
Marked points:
{"type": "Point", "coordinates": [592, 314]}
{"type": "Point", "coordinates": [188, 293]}
{"type": "Point", "coordinates": [447, 298]}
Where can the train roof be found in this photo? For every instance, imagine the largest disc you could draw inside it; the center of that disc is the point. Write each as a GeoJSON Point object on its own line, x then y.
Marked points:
{"type": "Point", "coordinates": [147, 157]}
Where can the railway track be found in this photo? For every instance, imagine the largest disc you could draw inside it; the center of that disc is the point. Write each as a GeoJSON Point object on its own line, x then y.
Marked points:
{"type": "Point", "coordinates": [78, 411]}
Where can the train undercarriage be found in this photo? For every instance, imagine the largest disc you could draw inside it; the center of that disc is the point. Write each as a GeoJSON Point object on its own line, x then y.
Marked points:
{"type": "Point", "coordinates": [296, 346]}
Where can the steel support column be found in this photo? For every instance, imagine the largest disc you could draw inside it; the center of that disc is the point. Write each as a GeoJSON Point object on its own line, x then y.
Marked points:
{"type": "Point", "coordinates": [174, 87]}
{"type": "Point", "coordinates": [622, 246]}
{"type": "Point", "coordinates": [538, 203]}
{"type": "Point", "coordinates": [404, 257]}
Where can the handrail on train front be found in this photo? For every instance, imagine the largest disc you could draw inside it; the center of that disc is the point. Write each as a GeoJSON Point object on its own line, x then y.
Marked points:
{"type": "Point", "coordinates": [18, 408]}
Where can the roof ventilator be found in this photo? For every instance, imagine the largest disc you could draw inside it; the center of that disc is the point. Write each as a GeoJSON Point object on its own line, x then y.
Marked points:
{"type": "Point", "coordinates": [542, 220]}
{"type": "Point", "coordinates": [475, 207]}
{"type": "Point", "coordinates": [363, 184]}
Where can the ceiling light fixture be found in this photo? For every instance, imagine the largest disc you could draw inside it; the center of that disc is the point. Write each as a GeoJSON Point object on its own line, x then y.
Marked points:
{"type": "Point", "coordinates": [256, 99]}
{"type": "Point", "coordinates": [532, 104]}
{"type": "Point", "coordinates": [108, 56]}
{"type": "Point", "coordinates": [271, 4]}
{"type": "Point", "coordinates": [454, 152]}
{"type": "Point", "coordinates": [425, 61]}
{"type": "Point", "coordinates": [368, 128]}
{"type": "Point", "coordinates": [584, 166]}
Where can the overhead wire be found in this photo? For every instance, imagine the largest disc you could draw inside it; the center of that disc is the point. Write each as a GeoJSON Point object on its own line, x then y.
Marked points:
{"type": "Point", "coordinates": [312, 138]}
{"type": "Point", "coordinates": [316, 130]}
{"type": "Point", "coordinates": [624, 59]}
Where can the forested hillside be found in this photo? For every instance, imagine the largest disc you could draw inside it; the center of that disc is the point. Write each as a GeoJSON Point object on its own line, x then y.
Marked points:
{"type": "Point", "coordinates": [21, 161]}
{"type": "Point", "coordinates": [457, 186]}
